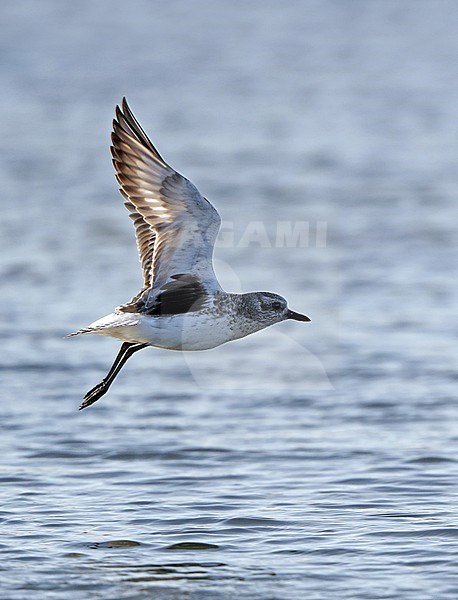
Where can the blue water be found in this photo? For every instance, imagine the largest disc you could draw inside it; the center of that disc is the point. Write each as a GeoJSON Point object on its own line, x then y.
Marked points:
{"type": "Point", "coordinates": [314, 461]}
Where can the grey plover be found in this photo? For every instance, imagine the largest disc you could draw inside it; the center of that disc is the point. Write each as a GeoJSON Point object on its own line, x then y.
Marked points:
{"type": "Point", "coordinates": [181, 305]}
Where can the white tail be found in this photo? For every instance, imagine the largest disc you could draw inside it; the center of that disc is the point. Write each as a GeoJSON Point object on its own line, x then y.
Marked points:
{"type": "Point", "coordinates": [82, 331]}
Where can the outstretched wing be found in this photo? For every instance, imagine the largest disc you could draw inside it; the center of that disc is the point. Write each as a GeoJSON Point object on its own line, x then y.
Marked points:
{"type": "Point", "coordinates": [176, 226]}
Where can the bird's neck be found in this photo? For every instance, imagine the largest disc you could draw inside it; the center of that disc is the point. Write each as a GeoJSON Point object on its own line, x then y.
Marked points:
{"type": "Point", "coordinates": [242, 321]}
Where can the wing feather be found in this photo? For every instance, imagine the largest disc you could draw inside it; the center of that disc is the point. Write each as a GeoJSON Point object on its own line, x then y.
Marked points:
{"type": "Point", "coordinates": [175, 225]}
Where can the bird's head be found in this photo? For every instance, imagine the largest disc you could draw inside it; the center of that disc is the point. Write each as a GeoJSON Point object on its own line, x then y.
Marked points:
{"type": "Point", "coordinates": [269, 308]}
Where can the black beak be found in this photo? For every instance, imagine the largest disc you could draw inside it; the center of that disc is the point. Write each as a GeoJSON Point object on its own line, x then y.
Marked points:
{"type": "Point", "coordinates": [296, 316]}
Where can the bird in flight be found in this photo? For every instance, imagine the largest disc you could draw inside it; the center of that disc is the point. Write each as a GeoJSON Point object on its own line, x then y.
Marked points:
{"type": "Point", "coordinates": [181, 305]}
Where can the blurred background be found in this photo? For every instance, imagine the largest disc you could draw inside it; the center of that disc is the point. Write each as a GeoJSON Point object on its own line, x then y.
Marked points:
{"type": "Point", "coordinates": [312, 460]}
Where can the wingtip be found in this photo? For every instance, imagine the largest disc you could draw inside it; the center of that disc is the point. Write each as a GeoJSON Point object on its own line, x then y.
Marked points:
{"type": "Point", "coordinates": [128, 129]}
{"type": "Point", "coordinates": [118, 115]}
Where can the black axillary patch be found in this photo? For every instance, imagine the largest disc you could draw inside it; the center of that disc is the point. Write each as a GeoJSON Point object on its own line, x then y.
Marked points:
{"type": "Point", "coordinates": [185, 294]}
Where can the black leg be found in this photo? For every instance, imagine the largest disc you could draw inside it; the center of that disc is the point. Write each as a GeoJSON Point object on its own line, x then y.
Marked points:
{"type": "Point", "coordinates": [127, 349]}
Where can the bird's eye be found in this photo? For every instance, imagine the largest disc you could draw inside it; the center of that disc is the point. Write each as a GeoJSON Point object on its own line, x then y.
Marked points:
{"type": "Point", "coordinates": [276, 305]}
